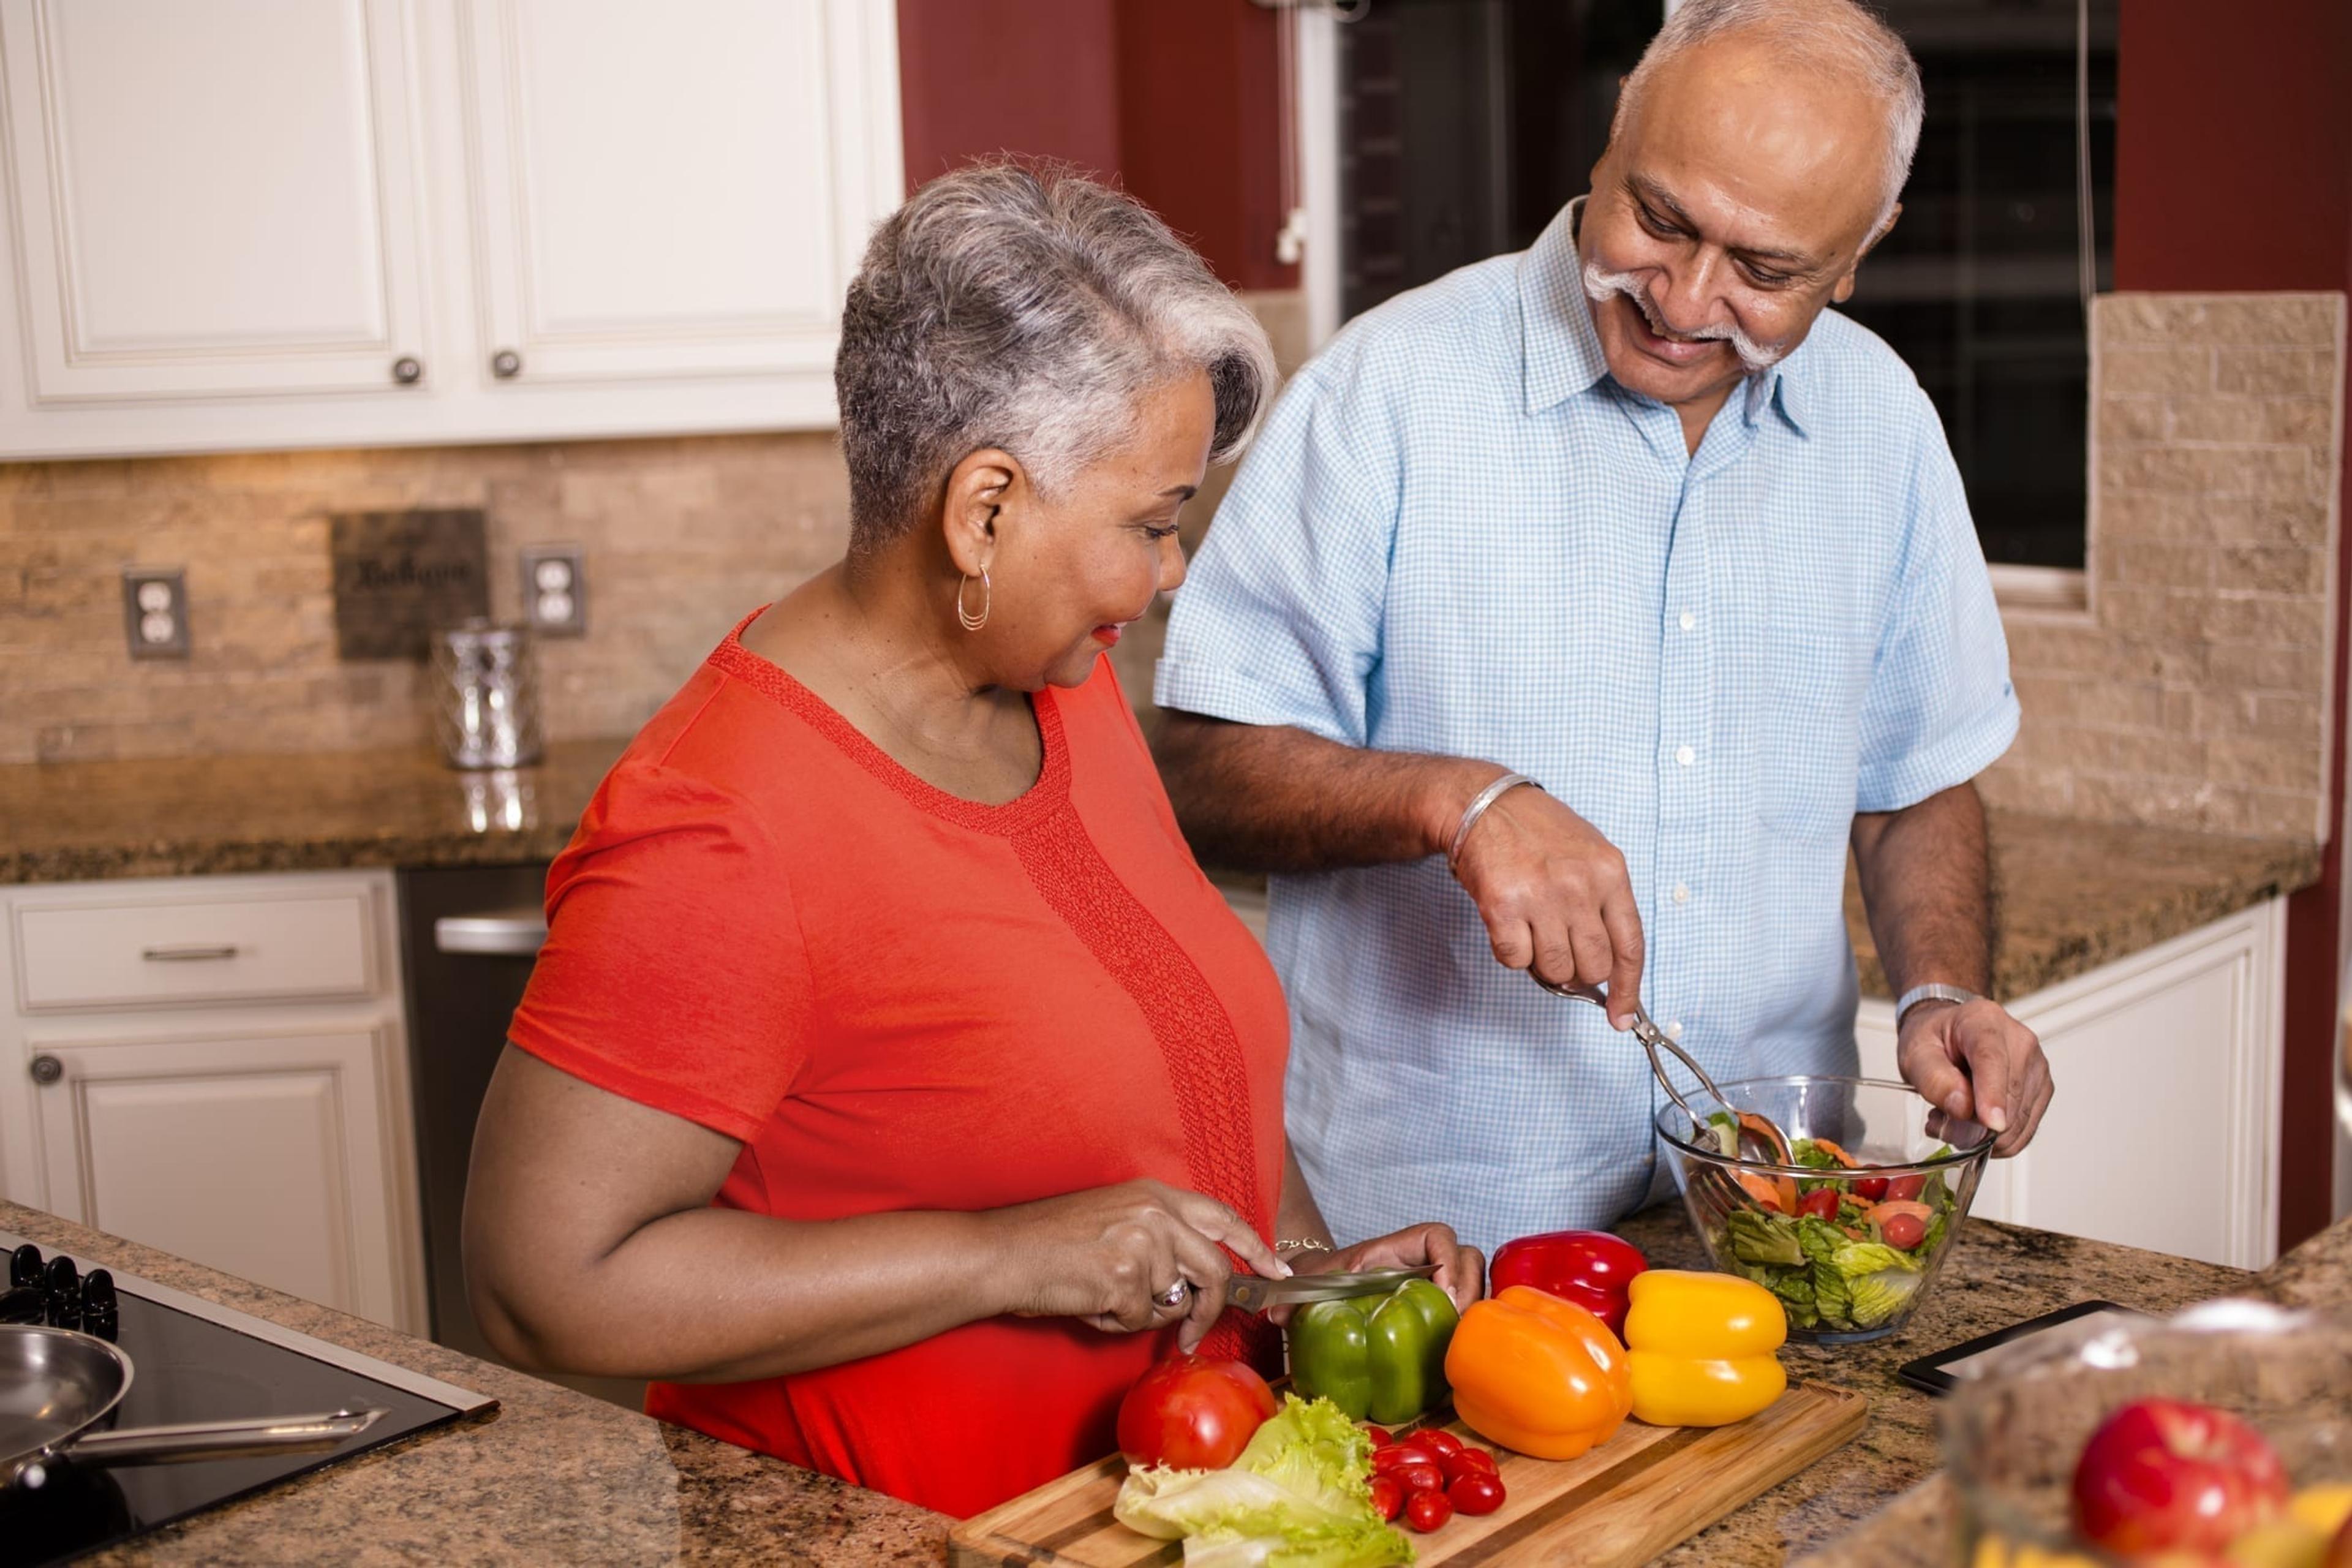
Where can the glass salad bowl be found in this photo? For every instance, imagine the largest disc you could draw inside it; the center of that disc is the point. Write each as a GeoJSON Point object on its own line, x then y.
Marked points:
{"type": "Point", "coordinates": [2014, 1435]}
{"type": "Point", "coordinates": [1851, 1233]}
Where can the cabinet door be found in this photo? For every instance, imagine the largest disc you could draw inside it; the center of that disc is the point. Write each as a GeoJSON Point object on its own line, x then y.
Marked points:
{"type": "Point", "coordinates": [674, 191]}
{"type": "Point", "coordinates": [211, 200]}
{"type": "Point", "coordinates": [262, 1156]}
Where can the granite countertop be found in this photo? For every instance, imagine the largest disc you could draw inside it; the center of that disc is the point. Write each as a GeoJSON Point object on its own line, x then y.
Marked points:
{"type": "Point", "coordinates": [180, 816]}
{"type": "Point", "coordinates": [2073, 895]}
{"type": "Point", "coordinates": [556, 1476]}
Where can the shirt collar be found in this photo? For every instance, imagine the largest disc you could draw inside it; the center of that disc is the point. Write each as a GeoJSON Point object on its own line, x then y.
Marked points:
{"type": "Point", "coordinates": [1562, 348]}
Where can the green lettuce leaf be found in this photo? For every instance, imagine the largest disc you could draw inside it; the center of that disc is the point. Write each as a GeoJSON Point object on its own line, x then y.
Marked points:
{"type": "Point", "coordinates": [1820, 1241]}
{"type": "Point", "coordinates": [1878, 1297]}
{"type": "Point", "coordinates": [1830, 1297]}
{"type": "Point", "coordinates": [1371, 1545]}
{"type": "Point", "coordinates": [1857, 1258]}
{"type": "Point", "coordinates": [1299, 1496]}
{"type": "Point", "coordinates": [1762, 1238]}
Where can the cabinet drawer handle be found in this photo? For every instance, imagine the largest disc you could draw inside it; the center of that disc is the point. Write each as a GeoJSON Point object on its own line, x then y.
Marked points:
{"type": "Point", "coordinates": [506, 364]}
{"type": "Point", "coordinates": [408, 369]}
{"type": "Point", "coordinates": [47, 1068]}
{"type": "Point", "coordinates": [189, 953]}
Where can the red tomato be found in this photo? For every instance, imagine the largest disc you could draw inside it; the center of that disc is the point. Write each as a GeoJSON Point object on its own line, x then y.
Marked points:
{"type": "Point", "coordinates": [1870, 1189]}
{"type": "Point", "coordinates": [1468, 1462]}
{"type": "Point", "coordinates": [1426, 1511]}
{"type": "Point", "coordinates": [1192, 1413]}
{"type": "Point", "coordinates": [1821, 1202]}
{"type": "Point", "coordinates": [1904, 1230]}
{"type": "Point", "coordinates": [2163, 1475]}
{"type": "Point", "coordinates": [1905, 1189]}
{"type": "Point", "coordinates": [1397, 1455]}
{"type": "Point", "coordinates": [1379, 1436]}
{"type": "Point", "coordinates": [1420, 1478]}
{"type": "Point", "coordinates": [1439, 1443]}
{"type": "Point", "coordinates": [1476, 1494]}
{"type": "Point", "coordinates": [1388, 1496]}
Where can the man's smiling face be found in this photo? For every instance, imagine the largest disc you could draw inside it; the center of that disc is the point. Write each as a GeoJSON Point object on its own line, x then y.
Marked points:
{"type": "Point", "coordinates": [1735, 200]}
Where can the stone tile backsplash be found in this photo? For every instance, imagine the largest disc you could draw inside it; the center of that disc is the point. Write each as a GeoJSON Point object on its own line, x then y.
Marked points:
{"type": "Point", "coordinates": [2194, 690]}
{"type": "Point", "coordinates": [683, 538]}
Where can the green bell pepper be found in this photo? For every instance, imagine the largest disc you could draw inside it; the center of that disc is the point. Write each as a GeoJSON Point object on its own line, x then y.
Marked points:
{"type": "Point", "coordinates": [1377, 1356]}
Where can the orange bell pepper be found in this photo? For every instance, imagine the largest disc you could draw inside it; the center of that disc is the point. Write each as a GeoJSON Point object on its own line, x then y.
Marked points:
{"type": "Point", "coordinates": [1538, 1375]}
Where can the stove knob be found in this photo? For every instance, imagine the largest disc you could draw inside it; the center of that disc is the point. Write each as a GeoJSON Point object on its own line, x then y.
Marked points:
{"type": "Point", "coordinates": [26, 1266]}
{"type": "Point", "coordinates": [65, 1292]}
{"type": "Point", "coordinates": [98, 1292]}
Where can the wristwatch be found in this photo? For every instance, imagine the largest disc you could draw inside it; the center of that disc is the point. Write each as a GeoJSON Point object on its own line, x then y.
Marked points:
{"type": "Point", "coordinates": [1930, 992]}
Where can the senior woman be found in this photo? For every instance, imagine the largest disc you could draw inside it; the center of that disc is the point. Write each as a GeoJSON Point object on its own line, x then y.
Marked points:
{"type": "Point", "coordinates": [893, 1085]}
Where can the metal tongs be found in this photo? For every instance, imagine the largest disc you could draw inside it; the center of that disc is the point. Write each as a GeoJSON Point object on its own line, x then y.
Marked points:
{"type": "Point", "coordinates": [1754, 1126]}
{"type": "Point", "coordinates": [1255, 1294]}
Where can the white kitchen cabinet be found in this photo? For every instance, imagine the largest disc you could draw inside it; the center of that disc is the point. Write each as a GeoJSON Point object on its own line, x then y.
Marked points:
{"type": "Point", "coordinates": [216, 1066]}
{"type": "Point", "coordinates": [2164, 1130]}
{"type": "Point", "coordinates": [245, 224]}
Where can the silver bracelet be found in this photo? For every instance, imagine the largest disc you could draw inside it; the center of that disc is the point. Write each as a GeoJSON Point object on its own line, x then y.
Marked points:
{"type": "Point", "coordinates": [1477, 808]}
{"type": "Point", "coordinates": [1931, 992]}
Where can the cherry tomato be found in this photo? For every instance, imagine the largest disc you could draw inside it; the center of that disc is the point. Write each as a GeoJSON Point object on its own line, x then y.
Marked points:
{"type": "Point", "coordinates": [1192, 1413]}
{"type": "Point", "coordinates": [1426, 1511]}
{"type": "Point", "coordinates": [1821, 1202]}
{"type": "Point", "coordinates": [1476, 1494]}
{"type": "Point", "coordinates": [1870, 1189]}
{"type": "Point", "coordinates": [1388, 1496]}
{"type": "Point", "coordinates": [1397, 1455]}
{"type": "Point", "coordinates": [1439, 1443]}
{"type": "Point", "coordinates": [1468, 1462]}
{"type": "Point", "coordinates": [1380, 1436]}
{"type": "Point", "coordinates": [1905, 1189]}
{"type": "Point", "coordinates": [1904, 1231]}
{"type": "Point", "coordinates": [1420, 1478]}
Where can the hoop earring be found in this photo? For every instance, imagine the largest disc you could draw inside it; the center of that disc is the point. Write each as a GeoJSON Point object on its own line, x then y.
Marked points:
{"type": "Point", "coordinates": [972, 623]}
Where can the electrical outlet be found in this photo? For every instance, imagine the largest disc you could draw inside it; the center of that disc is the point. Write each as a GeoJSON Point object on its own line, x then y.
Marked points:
{"type": "Point", "coordinates": [155, 612]}
{"type": "Point", "coordinates": [555, 590]}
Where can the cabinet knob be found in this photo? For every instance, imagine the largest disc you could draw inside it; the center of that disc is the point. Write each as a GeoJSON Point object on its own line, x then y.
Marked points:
{"type": "Point", "coordinates": [408, 369]}
{"type": "Point", "coordinates": [47, 1068]}
{"type": "Point", "coordinates": [506, 364]}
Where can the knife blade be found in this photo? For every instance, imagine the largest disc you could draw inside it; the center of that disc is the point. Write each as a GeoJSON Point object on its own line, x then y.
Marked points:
{"type": "Point", "coordinates": [1253, 1293]}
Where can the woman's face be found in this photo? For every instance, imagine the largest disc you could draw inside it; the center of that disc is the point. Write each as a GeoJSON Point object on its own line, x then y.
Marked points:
{"type": "Point", "coordinates": [1073, 570]}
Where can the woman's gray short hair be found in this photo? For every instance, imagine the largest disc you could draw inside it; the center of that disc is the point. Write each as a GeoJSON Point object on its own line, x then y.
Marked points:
{"type": "Point", "coordinates": [1836, 37]}
{"type": "Point", "coordinates": [1025, 307]}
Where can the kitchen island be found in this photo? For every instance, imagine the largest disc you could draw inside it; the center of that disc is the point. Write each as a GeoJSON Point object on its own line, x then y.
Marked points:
{"type": "Point", "coordinates": [556, 1476]}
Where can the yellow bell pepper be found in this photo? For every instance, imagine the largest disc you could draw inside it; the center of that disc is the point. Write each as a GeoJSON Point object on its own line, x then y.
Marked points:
{"type": "Point", "coordinates": [1538, 1375]}
{"type": "Point", "coordinates": [1701, 1348]}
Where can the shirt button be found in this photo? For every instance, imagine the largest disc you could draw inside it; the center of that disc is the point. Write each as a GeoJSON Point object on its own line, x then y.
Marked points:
{"type": "Point", "coordinates": [1685, 755]}
{"type": "Point", "coordinates": [1682, 893]}
{"type": "Point", "coordinates": [1689, 620]}
{"type": "Point", "coordinates": [1674, 1030]}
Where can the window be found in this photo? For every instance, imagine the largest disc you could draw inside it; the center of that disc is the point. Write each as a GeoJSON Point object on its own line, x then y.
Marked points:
{"type": "Point", "coordinates": [1464, 125]}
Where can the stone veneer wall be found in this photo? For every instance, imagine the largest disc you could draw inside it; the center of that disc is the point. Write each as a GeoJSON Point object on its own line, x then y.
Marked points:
{"type": "Point", "coordinates": [2194, 690]}
{"type": "Point", "coordinates": [683, 537]}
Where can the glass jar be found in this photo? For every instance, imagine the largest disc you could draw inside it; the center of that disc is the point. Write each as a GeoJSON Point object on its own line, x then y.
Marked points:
{"type": "Point", "coordinates": [484, 681]}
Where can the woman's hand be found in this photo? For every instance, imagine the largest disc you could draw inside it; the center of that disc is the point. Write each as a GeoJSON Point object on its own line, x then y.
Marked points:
{"type": "Point", "coordinates": [1110, 1257]}
{"type": "Point", "coordinates": [1460, 1270]}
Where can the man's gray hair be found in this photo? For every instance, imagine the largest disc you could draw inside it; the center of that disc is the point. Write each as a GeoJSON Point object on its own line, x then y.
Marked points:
{"type": "Point", "coordinates": [1840, 39]}
{"type": "Point", "coordinates": [1023, 307]}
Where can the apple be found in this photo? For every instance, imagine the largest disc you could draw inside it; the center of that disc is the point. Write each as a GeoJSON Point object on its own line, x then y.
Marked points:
{"type": "Point", "coordinates": [2163, 1475]}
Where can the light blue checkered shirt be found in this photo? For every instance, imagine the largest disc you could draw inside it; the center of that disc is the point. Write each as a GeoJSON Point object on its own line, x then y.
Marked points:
{"type": "Point", "coordinates": [1459, 534]}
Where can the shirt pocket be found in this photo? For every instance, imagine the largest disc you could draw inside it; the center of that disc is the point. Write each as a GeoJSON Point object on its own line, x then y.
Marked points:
{"type": "Point", "coordinates": [1810, 746]}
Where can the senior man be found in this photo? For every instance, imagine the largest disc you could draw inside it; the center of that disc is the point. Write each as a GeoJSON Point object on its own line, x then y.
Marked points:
{"type": "Point", "coordinates": [1631, 515]}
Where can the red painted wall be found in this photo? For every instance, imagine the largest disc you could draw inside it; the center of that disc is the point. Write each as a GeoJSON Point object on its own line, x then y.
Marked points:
{"type": "Point", "coordinates": [1178, 102]}
{"type": "Point", "coordinates": [2234, 171]}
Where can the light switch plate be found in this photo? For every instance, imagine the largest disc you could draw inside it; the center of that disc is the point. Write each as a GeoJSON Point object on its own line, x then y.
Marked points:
{"type": "Point", "coordinates": [155, 611]}
{"type": "Point", "coordinates": [555, 590]}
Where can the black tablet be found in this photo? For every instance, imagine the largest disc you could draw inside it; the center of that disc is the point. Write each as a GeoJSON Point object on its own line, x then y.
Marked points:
{"type": "Point", "coordinates": [1940, 1373]}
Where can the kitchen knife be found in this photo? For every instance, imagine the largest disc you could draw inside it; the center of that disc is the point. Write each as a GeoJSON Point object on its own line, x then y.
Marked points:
{"type": "Point", "coordinates": [1253, 1293]}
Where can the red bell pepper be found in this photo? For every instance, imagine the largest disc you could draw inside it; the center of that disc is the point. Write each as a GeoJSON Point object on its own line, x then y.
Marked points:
{"type": "Point", "coordinates": [1589, 1268]}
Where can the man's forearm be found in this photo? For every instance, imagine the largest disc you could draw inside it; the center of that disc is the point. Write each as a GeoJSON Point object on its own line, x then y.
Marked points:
{"type": "Point", "coordinates": [1926, 881]}
{"type": "Point", "coordinates": [1271, 798]}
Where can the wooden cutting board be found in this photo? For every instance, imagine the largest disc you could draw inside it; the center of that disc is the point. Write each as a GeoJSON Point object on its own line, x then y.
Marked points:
{"type": "Point", "coordinates": [1619, 1505]}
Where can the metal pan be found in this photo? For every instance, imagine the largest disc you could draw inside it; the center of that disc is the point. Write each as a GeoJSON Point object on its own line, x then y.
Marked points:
{"type": "Point", "coordinates": [56, 1385]}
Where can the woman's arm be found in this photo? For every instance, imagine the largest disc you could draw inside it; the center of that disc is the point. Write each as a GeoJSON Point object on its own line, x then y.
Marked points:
{"type": "Point", "coordinates": [591, 1247]}
{"type": "Point", "coordinates": [1460, 1270]}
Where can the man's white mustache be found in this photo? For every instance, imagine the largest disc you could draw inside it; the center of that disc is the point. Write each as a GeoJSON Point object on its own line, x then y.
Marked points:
{"type": "Point", "coordinates": [1753, 356]}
